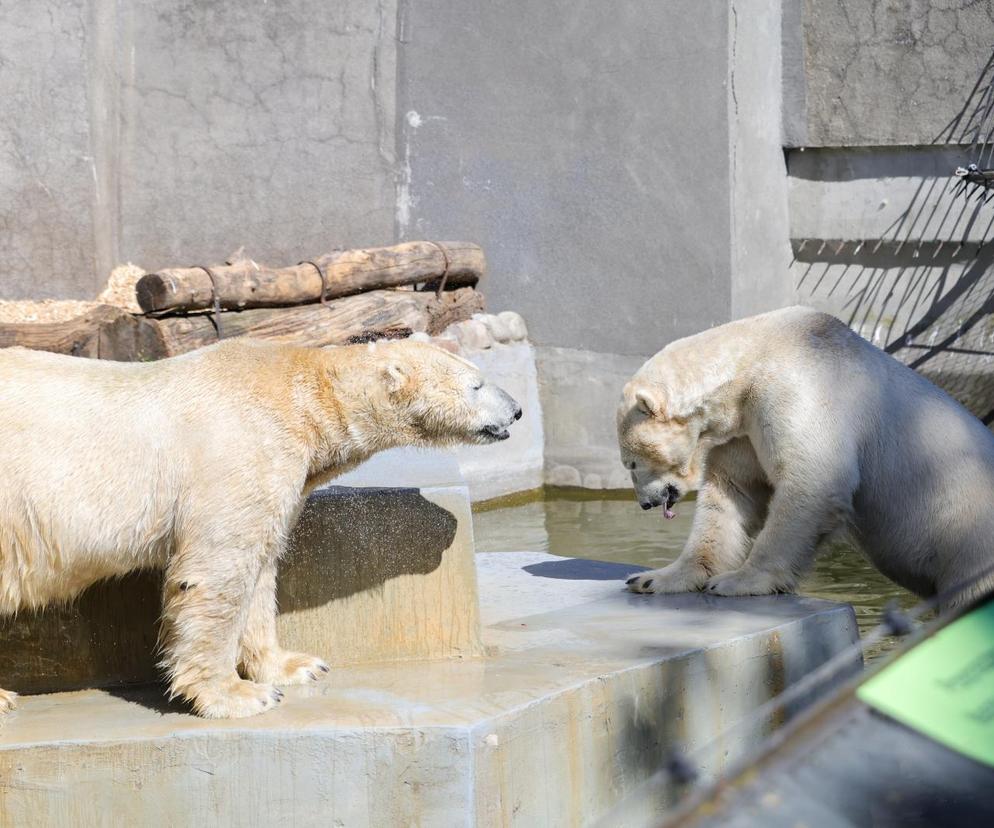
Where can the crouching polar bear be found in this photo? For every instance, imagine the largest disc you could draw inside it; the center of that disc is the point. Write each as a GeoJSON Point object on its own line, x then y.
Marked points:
{"type": "Point", "coordinates": [796, 431]}
{"type": "Point", "coordinates": [200, 465]}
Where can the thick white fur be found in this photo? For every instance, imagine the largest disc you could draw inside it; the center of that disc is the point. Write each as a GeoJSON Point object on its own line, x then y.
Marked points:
{"type": "Point", "coordinates": [199, 465]}
{"type": "Point", "coordinates": [795, 430]}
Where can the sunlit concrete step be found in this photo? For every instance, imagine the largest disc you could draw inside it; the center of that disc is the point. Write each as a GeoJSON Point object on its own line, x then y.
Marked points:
{"type": "Point", "coordinates": [582, 693]}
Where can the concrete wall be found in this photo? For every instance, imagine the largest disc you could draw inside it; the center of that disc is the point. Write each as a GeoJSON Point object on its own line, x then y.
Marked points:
{"type": "Point", "coordinates": [562, 137]}
{"type": "Point", "coordinates": [874, 73]}
{"type": "Point", "coordinates": [597, 152]}
{"type": "Point", "coordinates": [173, 134]}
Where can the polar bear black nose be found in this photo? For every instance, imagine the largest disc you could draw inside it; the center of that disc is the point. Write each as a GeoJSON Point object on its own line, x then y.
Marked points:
{"type": "Point", "coordinates": [517, 413]}
{"type": "Point", "coordinates": [645, 504]}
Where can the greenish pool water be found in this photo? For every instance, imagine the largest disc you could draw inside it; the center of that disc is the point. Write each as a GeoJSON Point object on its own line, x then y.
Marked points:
{"type": "Point", "coordinates": [611, 527]}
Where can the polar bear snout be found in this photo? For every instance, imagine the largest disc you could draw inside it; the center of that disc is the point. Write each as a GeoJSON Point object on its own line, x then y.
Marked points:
{"type": "Point", "coordinates": [499, 410]}
{"type": "Point", "coordinates": [669, 496]}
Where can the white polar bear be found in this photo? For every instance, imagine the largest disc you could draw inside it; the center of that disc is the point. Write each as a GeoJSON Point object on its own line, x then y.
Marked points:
{"type": "Point", "coordinates": [200, 465]}
{"type": "Point", "coordinates": [795, 430]}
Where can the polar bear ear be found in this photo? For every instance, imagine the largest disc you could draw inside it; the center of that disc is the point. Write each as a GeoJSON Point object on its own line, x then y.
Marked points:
{"type": "Point", "coordinates": [395, 377]}
{"type": "Point", "coordinates": [649, 402]}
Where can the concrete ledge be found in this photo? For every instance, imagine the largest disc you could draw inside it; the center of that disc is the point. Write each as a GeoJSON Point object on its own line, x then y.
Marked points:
{"type": "Point", "coordinates": [371, 574]}
{"type": "Point", "coordinates": [584, 691]}
{"type": "Point", "coordinates": [381, 575]}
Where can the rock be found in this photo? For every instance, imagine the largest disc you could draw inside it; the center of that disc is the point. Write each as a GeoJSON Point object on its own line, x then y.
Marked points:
{"type": "Point", "coordinates": [515, 325]}
{"type": "Point", "coordinates": [473, 335]}
{"type": "Point", "coordinates": [564, 476]}
{"type": "Point", "coordinates": [498, 328]}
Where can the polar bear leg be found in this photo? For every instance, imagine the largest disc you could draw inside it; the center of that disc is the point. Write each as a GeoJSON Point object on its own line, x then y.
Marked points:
{"type": "Point", "coordinates": [205, 607]}
{"type": "Point", "coordinates": [724, 522]}
{"type": "Point", "coordinates": [260, 656]}
{"type": "Point", "coordinates": [799, 517]}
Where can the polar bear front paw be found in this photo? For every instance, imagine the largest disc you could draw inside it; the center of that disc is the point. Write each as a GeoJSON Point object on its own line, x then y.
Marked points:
{"type": "Point", "coordinates": [8, 701]}
{"type": "Point", "coordinates": [236, 699]}
{"type": "Point", "coordinates": [668, 579]}
{"type": "Point", "coordinates": [282, 667]}
{"type": "Point", "coordinates": [743, 582]}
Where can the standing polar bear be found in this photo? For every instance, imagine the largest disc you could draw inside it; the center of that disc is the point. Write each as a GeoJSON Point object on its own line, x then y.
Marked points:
{"type": "Point", "coordinates": [795, 431]}
{"type": "Point", "coordinates": [199, 465]}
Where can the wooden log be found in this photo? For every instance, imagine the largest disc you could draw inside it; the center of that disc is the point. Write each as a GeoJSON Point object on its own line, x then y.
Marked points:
{"type": "Point", "coordinates": [453, 307]}
{"type": "Point", "coordinates": [244, 284]}
{"type": "Point", "coordinates": [377, 312]}
{"type": "Point", "coordinates": [106, 332]}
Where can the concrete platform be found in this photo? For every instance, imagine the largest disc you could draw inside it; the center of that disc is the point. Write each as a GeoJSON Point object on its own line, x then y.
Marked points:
{"type": "Point", "coordinates": [582, 692]}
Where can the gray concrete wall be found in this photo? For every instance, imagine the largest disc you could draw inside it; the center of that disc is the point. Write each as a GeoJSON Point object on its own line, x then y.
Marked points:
{"type": "Point", "coordinates": [877, 73]}
{"type": "Point", "coordinates": [174, 134]}
{"type": "Point", "coordinates": [585, 146]}
{"type": "Point", "coordinates": [885, 240]}
{"type": "Point", "coordinates": [759, 239]}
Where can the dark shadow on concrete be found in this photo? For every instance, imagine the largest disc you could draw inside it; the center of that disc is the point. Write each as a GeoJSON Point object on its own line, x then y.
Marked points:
{"type": "Point", "coordinates": [579, 569]}
{"type": "Point", "coordinates": [925, 289]}
{"type": "Point", "coordinates": [151, 696]}
{"type": "Point", "coordinates": [107, 636]}
{"type": "Point", "coordinates": [350, 540]}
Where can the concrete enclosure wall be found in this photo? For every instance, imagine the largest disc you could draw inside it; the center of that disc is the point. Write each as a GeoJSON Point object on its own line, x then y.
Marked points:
{"type": "Point", "coordinates": [592, 149]}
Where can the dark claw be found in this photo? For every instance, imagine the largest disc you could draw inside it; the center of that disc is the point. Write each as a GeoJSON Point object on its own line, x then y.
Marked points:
{"type": "Point", "coordinates": [632, 580]}
{"type": "Point", "coordinates": [324, 668]}
{"type": "Point", "coordinates": [648, 583]}
{"type": "Point", "coordinates": [311, 676]}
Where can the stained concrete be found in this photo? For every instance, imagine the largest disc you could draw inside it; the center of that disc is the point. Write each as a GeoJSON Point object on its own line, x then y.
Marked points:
{"type": "Point", "coordinates": [46, 163]}
{"type": "Point", "coordinates": [890, 73]}
{"type": "Point", "coordinates": [371, 574]}
{"type": "Point", "coordinates": [583, 693]}
{"type": "Point", "coordinates": [169, 135]}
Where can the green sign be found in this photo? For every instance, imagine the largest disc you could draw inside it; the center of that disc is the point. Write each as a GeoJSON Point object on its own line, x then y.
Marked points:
{"type": "Point", "coordinates": [944, 687]}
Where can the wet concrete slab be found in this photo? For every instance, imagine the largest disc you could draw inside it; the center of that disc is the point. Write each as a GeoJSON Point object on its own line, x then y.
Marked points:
{"type": "Point", "coordinates": [582, 693]}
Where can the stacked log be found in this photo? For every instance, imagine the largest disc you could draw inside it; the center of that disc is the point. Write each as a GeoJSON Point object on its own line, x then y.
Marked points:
{"type": "Point", "coordinates": [343, 296]}
{"type": "Point", "coordinates": [244, 284]}
{"type": "Point", "coordinates": [377, 312]}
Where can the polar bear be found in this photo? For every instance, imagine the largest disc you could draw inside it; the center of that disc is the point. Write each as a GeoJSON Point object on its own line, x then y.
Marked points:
{"type": "Point", "coordinates": [200, 465]}
{"type": "Point", "coordinates": [796, 431]}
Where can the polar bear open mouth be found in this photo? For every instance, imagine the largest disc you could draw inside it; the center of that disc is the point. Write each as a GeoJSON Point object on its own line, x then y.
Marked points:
{"type": "Point", "coordinates": [672, 496]}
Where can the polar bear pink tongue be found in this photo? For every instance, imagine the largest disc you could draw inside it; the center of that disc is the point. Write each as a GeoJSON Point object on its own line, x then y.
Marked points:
{"type": "Point", "coordinates": [668, 513]}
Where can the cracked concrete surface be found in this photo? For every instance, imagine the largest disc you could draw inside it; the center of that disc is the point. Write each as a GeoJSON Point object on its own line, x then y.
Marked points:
{"type": "Point", "coordinates": [891, 71]}
{"type": "Point", "coordinates": [166, 134]}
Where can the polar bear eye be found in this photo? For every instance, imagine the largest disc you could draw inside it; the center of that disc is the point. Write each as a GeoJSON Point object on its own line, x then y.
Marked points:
{"type": "Point", "coordinates": [477, 385]}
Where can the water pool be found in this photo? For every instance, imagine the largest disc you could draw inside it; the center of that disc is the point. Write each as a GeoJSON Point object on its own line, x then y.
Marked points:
{"type": "Point", "coordinates": [609, 526]}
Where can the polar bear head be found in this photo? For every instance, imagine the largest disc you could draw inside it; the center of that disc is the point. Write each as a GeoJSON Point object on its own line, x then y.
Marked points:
{"type": "Point", "coordinates": [431, 397]}
{"type": "Point", "coordinates": [661, 446]}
